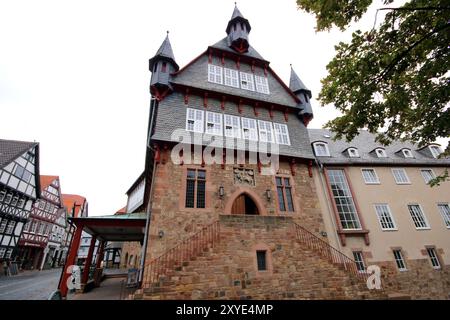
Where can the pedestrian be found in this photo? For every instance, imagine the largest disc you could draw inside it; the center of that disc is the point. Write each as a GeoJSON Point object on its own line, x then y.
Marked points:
{"type": "Point", "coordinates": [6, 265]}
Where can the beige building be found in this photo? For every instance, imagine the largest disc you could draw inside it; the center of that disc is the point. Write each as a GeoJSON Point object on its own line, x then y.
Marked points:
{"type": "Point", "coordinates": [379, 209]}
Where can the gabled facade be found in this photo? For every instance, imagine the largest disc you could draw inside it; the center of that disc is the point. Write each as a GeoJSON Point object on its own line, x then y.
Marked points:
{"type": "Point", "coordinates": [19, 188]}
{"type": "Point", "coordinates": [45, 211]}
{"type": "Point", "coordinates": [379, 208]}
{"type": "Point", "coordinates": [229, 173]}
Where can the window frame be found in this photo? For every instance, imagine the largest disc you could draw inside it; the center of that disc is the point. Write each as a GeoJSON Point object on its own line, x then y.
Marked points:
{"type": "Point", "coordinates": [281, 125]}
{"type": "Point", "coordinates": [284, 198]}
{"type": "Point", "coordinates": [342, 203]}
{"type": "Point", "coordinates": [247, 76]}
{"type": "Point", "coordinates": [213, 72]}
{"type": "Point", "coordinates": [382, 151]}
{"type": "Point", "coordinates": [317, 143]}
{"type": "Point", "coordinates": [202, 121]}
{"type": "Point", "coordinates": [255, 130]}
{"type": "Point", "coordinates": [433, 153]}
{"type": "Point", "coordinates": [401, 259]}
{"type": "Point", "coordinates": [435, 258]}
{"type": "Point", "coordinates": [425, 220]}
{"type": "Point", "coordinates": [236, 131]}
{"type": "Point", "coordinates": [407, 153]}
{"type": "Point", "coordinates": [272, 138]}
{"type": "Point", "coordinates": [356, 155]}
{"type": "Point", "coordinates": [263, 84]}
{"type": "Point", "coordinates": [184, 198]}
{"type": "Point", "coordinates": [405, 175]}
{"type": "Point", "coordinates": [432, 174]}
{"type": "Point", "coordinates": [230, 77]}
{"type": "Point", "coordinates": [390, 215]}
{"type": "Point", "coordinates": [445, 215]}
{"type": "Point", "coordinates": [214, 115]}
{"type": "Point", "coordinates": [358, 257]}
{"type": "Point", "coordinates": [375, 174]}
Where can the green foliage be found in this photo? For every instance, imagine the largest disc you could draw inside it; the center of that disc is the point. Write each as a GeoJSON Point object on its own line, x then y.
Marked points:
{"type": "Point", "coordinates": [393, 79]}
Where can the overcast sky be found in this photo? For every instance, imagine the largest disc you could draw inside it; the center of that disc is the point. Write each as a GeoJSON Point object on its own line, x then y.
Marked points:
{"type": "Point", "coordinates": [74, 76]}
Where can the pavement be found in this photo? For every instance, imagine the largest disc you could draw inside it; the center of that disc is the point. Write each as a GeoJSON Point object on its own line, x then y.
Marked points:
{"type": "Point", "coordinates": [30, 285]}
{"type": "Point", "coordinates": [110, 289]}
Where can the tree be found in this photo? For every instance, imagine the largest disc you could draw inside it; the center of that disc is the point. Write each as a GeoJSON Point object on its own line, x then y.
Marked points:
{"type": "Point", "coordinates": [392, 80]}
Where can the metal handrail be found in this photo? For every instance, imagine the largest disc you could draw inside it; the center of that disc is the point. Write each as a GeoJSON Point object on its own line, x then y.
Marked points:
{"type": "Point", "coordinates": [329, 252]}
{"type": "Point", "coordinates": [182, 252]}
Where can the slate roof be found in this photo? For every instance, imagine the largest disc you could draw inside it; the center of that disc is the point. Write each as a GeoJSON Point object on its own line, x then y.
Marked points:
{"type": "Point", "coordinates": [366, 144]}
{"type": "Point", "coordinates": [12, 149]}
{"type": "Point", "coordinates": [237, 15]}
{"type": "Point", "coordinates": [224, 45]}
{"type": "Point", "coordinates": [295, 84]}
{"type": "Point", "coordinates": [165, 52]}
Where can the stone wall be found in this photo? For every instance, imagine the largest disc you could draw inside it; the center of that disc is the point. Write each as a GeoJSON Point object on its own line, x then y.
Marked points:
{"type": "Point", "coordinates": [229, 270]}
{"type": "Point", "coordinates": [170, 217]}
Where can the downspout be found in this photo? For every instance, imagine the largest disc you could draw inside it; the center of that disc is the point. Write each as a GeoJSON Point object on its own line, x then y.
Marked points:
{"type": "Point", "coordinates": [328, 201]}
{"type": "Point", "coordinates": [153, 105]}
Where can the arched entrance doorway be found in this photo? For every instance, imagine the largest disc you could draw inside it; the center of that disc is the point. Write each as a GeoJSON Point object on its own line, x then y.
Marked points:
{"type": "Point", "coordinates": [243, 204]}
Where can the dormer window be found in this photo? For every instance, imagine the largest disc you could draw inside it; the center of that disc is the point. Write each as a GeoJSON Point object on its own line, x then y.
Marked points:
{"type": "Point", "coordinates": [353, 153]}
{"type": "Point", "coordinates": [321, 149]}
{"type": "Point", "coordinates": [381, 153]}
{"type": "Point", "coordinates": [435, 151]}
{"type": "Point", "coordinates": [407, 153]}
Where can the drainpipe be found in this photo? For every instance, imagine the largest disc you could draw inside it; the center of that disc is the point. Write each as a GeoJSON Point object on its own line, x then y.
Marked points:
{"type": "Point", "coordinates": [330, 208]}
{"type": "Point", "coordinates": [153, 105]}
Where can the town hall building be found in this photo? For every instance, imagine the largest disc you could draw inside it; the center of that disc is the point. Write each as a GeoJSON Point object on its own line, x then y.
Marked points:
{"type": "Point", "coordinates": [228, 183]}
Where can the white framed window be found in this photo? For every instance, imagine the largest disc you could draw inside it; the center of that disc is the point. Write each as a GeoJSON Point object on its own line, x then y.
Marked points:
{"type": "Point", "coordinates": [398, 256]}
{"type": "Point", "coordinates": [3, 225]}
{"type": "Point", "coordinates": [353, 153]}
{"type": "Point", "coordinates": [359, 260]}
{"type": "Point", "coordinates": [444, 209]}
{"type": "Point", "coordinates": [343, 199]}
{"type": "Point", "coordinates": [370, 176]}
{"type": "Point", "coordinates": [2, 252]}
{"type": "Point", "coordinates": [215, 74]}
{"type": "Point", "coordinates": [321, 149]}
{"type": "Point", "coordinates": [434, 258]}
{"type": "Point", "coordinates": [407, 153]}
{"type": "Point", "coordinates": [231, 77]}
{"type": "Point", "coordinates": [262, 85]}
{"type": "Point", "coordinates": [427, 175]}
{"type": "Point", "coordinates": [10, 227]}
{"type": "Point", "coordinates": [435, 151]}
{"type": "Point", "coordinates": [247, 81]}
{"type": "Point", "coordinates": [265, 131]}
{"type": "Point", "coordinates": [249, 130]}
{"type": "Point", "coordinates": [281, 133]}
{"type": "Point", "coordinates": [381, 153]}
{"type": "Point", "coordinates": [385, 217]}
{"type": "Point", "coordinates": [418, 217]}
{"type": "Point", "coordinates": [214, 123]}
{"type": "Point", "coordinates": [400, 176]}
{"type": "Point", "coordinates": [194, 120]}
{"type": "Point", "coordinates": [232, 126]}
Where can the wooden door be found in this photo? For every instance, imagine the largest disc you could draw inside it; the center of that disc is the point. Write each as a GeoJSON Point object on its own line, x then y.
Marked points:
{"type": "Point", "coordinates": [239, 205]}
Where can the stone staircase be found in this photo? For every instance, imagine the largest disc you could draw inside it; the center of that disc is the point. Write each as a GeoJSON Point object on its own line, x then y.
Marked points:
{"type": "Point", "coordinates": [222, 265]}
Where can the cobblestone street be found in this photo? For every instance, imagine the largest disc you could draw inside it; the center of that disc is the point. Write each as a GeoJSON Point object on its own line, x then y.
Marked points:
{"type": "Point", "coordinates": [29, 285]}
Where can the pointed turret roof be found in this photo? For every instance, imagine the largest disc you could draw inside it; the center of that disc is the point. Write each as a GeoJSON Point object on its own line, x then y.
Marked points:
{"type": "Point", "coordinates": [295, 84]}
{"type": "Point", "coordinates": [237, 15]}
{"type": "Point", "coordinates": [164, 52]}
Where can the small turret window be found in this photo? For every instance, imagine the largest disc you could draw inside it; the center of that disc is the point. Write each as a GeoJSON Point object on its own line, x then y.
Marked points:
{"type": "Point", "coordinates": [353, 153]}
{"type": "Point", "coordinates": [321, 149]}
{"type": "Point", "coordinates": [381, 153]}
{"type": "Point", "coordinates": [155, 67]}
{"type": "Point", "coordinates": [164, 66]}
{"type": "Point", "coordinates": [407, 153]}
{"type": "Point", "coordinates": [306, 98]}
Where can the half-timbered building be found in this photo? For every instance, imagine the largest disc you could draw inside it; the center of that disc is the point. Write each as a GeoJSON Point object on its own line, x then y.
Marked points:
{"type": "Point", "coordinates": [19, 188]}
{"type": "Point", "coordinates": [35, 238]}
